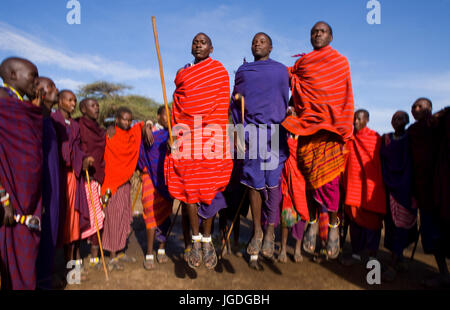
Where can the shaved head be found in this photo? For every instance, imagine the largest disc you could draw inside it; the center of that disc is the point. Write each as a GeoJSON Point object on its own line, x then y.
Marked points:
{"type": "Point", "coordinates": [207, 37]}
{"type": "Point", "coordinates": [20, 74]}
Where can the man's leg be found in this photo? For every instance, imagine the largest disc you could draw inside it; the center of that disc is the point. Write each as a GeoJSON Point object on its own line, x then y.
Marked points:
{"type": "Point", "coordinates": [195, 254]}
{"type": "Point", "coordinates": [255, 205]}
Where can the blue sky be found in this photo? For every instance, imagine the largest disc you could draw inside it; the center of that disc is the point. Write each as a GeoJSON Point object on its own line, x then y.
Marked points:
{"type": "Point", "coordinates": [392, 64]}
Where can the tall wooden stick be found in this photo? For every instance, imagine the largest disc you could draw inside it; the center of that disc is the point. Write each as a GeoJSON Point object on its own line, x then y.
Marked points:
{"type": "Point", "coordinates": [135, 197]}
{"type": "Point", "coordinates": [96, 226]}
{"type": "Point", "coordinates": [162, 79]}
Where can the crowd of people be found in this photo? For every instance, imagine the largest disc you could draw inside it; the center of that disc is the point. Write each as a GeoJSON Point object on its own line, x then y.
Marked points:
{"type": "Point", "coordinates": [64, 180]}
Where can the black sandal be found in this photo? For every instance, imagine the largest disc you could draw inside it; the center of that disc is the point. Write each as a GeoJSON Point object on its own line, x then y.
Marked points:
{"type": "Point", "coordinates": [310, 237]}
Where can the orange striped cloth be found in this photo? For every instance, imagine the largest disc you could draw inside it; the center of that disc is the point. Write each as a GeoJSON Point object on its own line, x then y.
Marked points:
{"type": "Point", "coordinates": [121, 157]}
{"type": "Point", "coordinates": [202, 90]}
{"type": "Point", "coordinates": [320, 158]}
{"type": "Point", "coordinates": [363, 180]}
{"type": "Point", "coordinates": [156, 208]}
{"type": "Point", "coordinates": [322, 93]}
{"type": "Point", "coordinates": [294, 205]}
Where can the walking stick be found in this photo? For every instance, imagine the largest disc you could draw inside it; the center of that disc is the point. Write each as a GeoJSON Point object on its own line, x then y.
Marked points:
{"type": "Point", "coordinates": [234, 220]}
{"type": "Point", "coordinates": [415, 245]}
{"type": "Point", "coordinates": [162, 79]}
{"type": "Point", "coordinates": [96, 226]}
{"type": "Point", "coordinates": [173, 222]}
{"type": "Point", "coordinates": [135, 197]}
{"type": "Point", "coordinates": [237, 97]}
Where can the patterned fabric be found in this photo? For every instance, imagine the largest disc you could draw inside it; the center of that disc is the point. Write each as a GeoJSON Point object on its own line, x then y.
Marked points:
{"type": "Point", "coordinates": [364, 187]}
{"type": "Point", "coordinates": [322, 93]}
{"type": "Point", "coordinates": [202, 90]}
{"type": "Point", "coordinates": [294, 204]}
{"type": "Point", "coordinates": [320, 159]}
{"type": "Point", "coordinates": [156, 208]}
{"type": "Point", "coordinates": [21, 152]}
{"type": "Point", "coordinates": [118, 218]}
{"type": "Point", "coordinates": [95, 190]}
{"type": "Point", "coordinates": [323, 225]}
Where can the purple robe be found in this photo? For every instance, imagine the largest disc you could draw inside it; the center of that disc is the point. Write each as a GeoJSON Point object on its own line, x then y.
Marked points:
{"type": "Point", "coordinates": [265, 87]}
{"type": "Point", "coordinates": [21, 176]}
{"type": "Point", "coordinates": [50, 203]}
{"type": "Point", "coordinates": [71, 157]}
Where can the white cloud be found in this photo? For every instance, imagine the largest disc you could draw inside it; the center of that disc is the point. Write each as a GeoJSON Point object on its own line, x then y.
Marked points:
{"type": "Point", "coordinates": [68, 84]}
{"type": "Point", "coordinates": [27, 46]}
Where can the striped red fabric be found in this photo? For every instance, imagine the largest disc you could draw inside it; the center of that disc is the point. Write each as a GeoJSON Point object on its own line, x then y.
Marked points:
{"type": "Point", "coordinates": [156, 208]}
{"type": "Point", "coordinates": [364, 187]}
{"type": "Point", "coordinates": [322, 93]}
{"type": "Point", "coordinates": [95, 190]}
{"type": "Point", "coordinates": [293, 184]}
{"type": "Point", "coordinates": [202, 90]}
{"type": "Point", "coordinates": [118, 218]}
{"type": "Point", "coordinates": [401, 216]}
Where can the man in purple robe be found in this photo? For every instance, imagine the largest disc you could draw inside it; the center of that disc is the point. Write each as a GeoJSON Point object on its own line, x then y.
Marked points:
{"type": "Point", "coordinates": [50, 188]}
{"type": "Point", "coordinates": [73, 162]}
{"type": "Point", "coordinates": [264, 84]}
{"type": "Point", "coordinates": [20, 173]}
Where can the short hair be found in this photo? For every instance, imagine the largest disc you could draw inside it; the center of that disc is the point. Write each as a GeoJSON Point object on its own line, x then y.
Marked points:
{"type": "Point", "coordinates": [425, 99]}
{"type": "Point", "coordinates": [122, 110]}
{"type": "Point", "coordinates": [325, 23]}
{"type": "Point", "coordinates": [161, 110]}
{"type": "Point", "coordinates": [85, 101]}
{"type": "Point", "coordinates": [405, 114]}
{"type": "Point", "coordinates": [365, 112]}
{"type": "Point", "coordinates": [207, 37]}
{"type": "Point", "coordinates": [266, 35]}
{"type": "Point", "coordinates": [62, 92]}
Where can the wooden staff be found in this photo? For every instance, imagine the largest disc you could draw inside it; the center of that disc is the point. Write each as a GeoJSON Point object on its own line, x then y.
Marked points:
{"type": "Point", "coordinates": [241, 98]}
{"type": "Point", "coordinates": [162, 78]}
{"type": "Point", "coordinates": [135, 197]}
{"type": "Point", "coordinates": [96, 225]}
{"type": "Point", "coordinates": [174, 219]}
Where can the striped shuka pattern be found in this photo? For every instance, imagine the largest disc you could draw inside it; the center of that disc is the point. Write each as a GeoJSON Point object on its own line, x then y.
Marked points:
{"type": "Point", "coordinates": [95, 190]}
{"type": "Point", "coordinates": [118, 218]}
{"type": "Point", "coordinates": [201, 90]}
{"type": "Point", "coordinates": [364, 186]}
{"type": "Point", "coordinates": [402, 217]}
{"type": "Point", "coordinates": [320, 159]}
{"type": "Point", "coordinates": [322, 93]}
{"type": "Point", "coordinates": [156, 208]}
{"type": "Point", "coordinates": [293, 189]}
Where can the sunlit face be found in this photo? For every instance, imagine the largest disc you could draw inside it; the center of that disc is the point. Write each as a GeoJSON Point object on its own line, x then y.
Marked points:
{"type": "Point", "coordinates": [26, 78]}
{"type": "Point", "coordinates": [91, 109]}
{"type": "Point", "coordinates": [320, 36]}
{"type": "Point", "coordinates": [67, 102]}
{"type": "Point", "coordinates": [50, 92]}
{"type": "Point", "coordinates": [124, 121]}
{"type": "Point", "coordinates": [201, 47]}
{"type": "Point", "coordinates": [360, 121]}
{"type": "Point", "coordinates": [261, 47]}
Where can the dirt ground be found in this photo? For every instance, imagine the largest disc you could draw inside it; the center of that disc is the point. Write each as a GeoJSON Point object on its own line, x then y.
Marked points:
{"type": "Point", "coordinates": [233, 273]}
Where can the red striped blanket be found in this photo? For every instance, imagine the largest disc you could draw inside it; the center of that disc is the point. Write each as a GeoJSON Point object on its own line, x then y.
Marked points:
{"type": "Point", "coordinates": [202, 90]}
{"type": "Point", "coordinates": [364, 187]}
{"type": "Point", "coordinates": [322, 93]}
